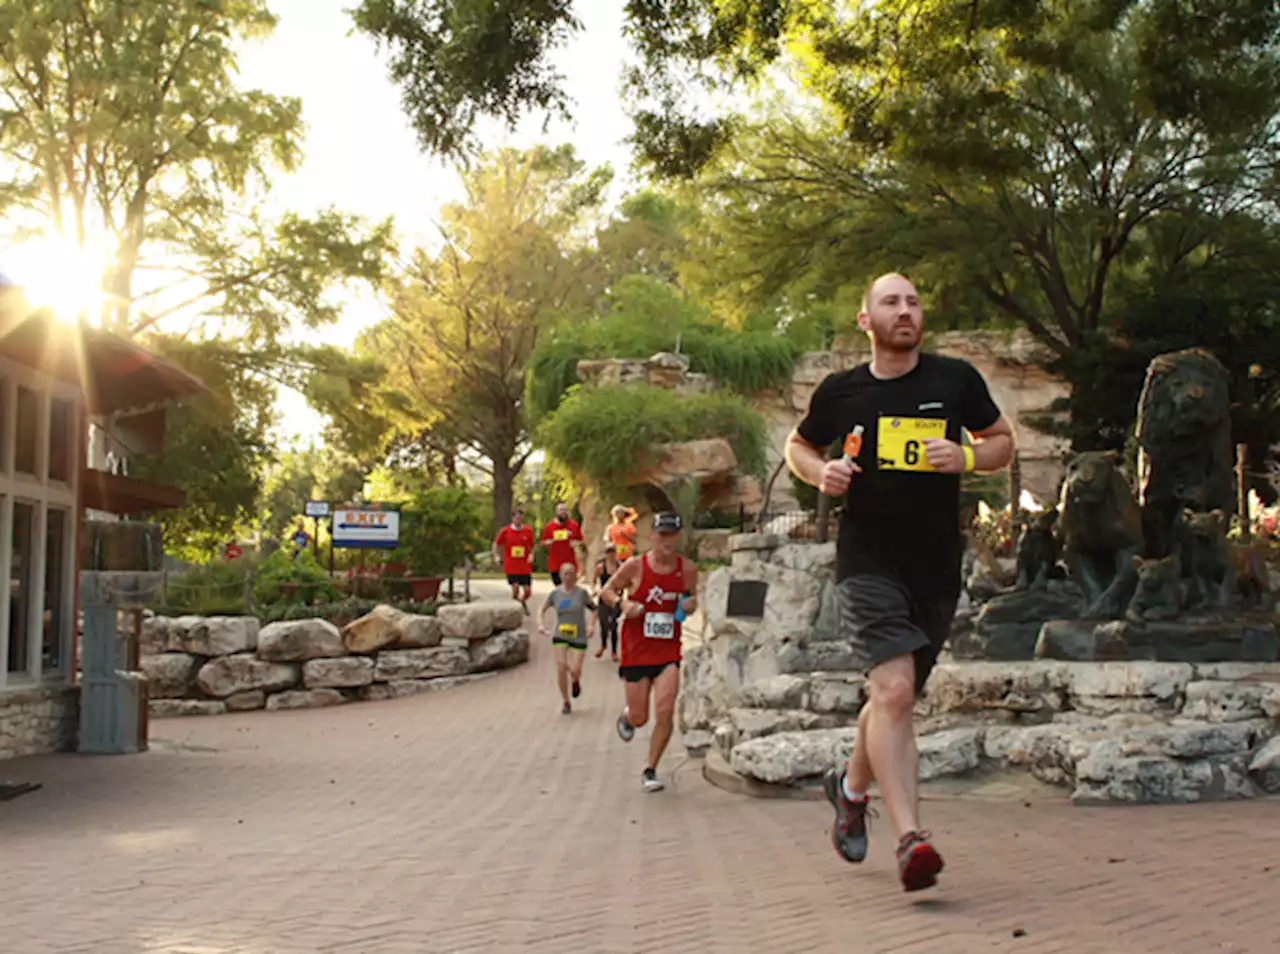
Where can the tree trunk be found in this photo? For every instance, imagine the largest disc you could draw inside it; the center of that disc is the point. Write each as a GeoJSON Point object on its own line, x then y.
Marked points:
{"type": "Point", "coordinates": [504, 481]}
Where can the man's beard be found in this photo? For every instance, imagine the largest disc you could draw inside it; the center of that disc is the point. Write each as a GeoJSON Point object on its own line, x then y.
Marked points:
{"type": "Point", "coordinates": [892, 342]}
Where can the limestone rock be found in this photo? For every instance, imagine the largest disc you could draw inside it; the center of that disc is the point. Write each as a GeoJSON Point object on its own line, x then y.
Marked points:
{"type": "Point", "coordinates": [402, 688]}
{"type": "Point", "coordinates": [697, 741]}
{"type": "Point", "coordinates": [300, 640]}
{"type": "Point", "coordinates": [952, 752]}
{"type": "Point", "coordinates": [837, 694]}
{"type": "Point", "coordinates": [1265, 767]}
{"type": "Point", "coordinates": [1008, 626]}
{"type": "Point", "coordinates": [470, 621]}
{"type": "Point", "coordinates": [508, 616]}
{"type": "Point", "coordinates": [1134, 682]}
{"type": "Point", "coordinates": [1266, 672]}
{"type": "Point", "coordinates": [154, 638]}
{"type": "Point", "coordinates": [708, 459]}
{"type": "Point", "coordinates": [377, 629]}
{"type": "Point", "coordinates": [1024, 687]}
{"type": "Point", "coordinates": [500, 651]}
{"type": "Point", "coordinates": [246, 701]}
{"type": "Point", "coordinates": [791, 604]}
{"type": "Point", "coordinates": [698, 705]}
{"type": "Point", "coordinates": [419, 632]}
{"type": "Point", "coordinates": [341, 673]}
{"type": "Point", "coordinates": [395, 664]}
{"type": "Point", "coordinates": [756, 723]}
{"type": "Point", "coordinates": [213, 635]}
{"type": "Point", "coordinates": [227, 675]}
{"type": "Point", "coordinates": [789, 757]}
{"type": "Point", "coordinates": [1219, 701]}
{"type": "Point", "coordinates": [778, 692]}
{"type": "Point", "coordinates": [172, 708]}
{"type": "Point", "coordinates": [170, 675]}
{"type": "Point", "coordinates": [305, 699]}
{"type": "Point", "coordinates": [1154, 779]}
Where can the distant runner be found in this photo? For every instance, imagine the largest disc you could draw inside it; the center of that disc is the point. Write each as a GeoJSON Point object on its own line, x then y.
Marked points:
{"type": "Point", "coordinates": [559, 537]}
{"type": "Point", "coordinates": [661, 587]}
{"type": "Point", "coordinates": [622, 532]}
{"type": "Point", "coordinates": [515, 544]}
{"type": "Point", "coordinates": [607, 615]}
{"type": "Point", "coordinates": [571, 604]}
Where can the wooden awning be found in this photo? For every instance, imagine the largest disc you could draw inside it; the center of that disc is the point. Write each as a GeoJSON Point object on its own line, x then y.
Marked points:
{"type": "Point", "coordinates": [116, 375]}
{"type": "Point", "coordinates": [113, 493]}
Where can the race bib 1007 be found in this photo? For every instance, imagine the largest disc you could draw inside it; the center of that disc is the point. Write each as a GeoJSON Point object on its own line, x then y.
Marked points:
{"type": "Point", "coordinates": [900, 442]}
{"type": "Point", "coordinates": [659, 626]}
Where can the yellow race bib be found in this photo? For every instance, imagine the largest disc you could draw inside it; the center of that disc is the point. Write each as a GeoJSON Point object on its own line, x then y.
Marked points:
{"type": "Point", "coordinates": [568, 631]}
{"type": "Point", "coordinates": [517, 552]}
{"type": "Point", "coordinates": [560, 535]}
{"type": "Point", "coordinates": [900, 441]}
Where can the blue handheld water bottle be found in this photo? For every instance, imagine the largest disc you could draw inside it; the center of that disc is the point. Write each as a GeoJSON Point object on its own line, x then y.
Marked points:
{"type": "Point", "coordinates": [680, 614]}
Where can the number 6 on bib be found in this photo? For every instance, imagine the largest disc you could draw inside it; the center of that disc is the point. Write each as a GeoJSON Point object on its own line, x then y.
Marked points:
{"type": "Point", "coordinates": [659, 626]}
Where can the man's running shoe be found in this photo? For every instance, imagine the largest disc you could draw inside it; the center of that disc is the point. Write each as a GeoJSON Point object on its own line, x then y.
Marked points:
{"type": "Point", "coordinates": [626, 731]}
{"type": "Point", "coordinates": [567, 708]}
{"type": "Point", "coordinates": [577, 688]}
{"type": "Point", "coordinates": [918, 862]}
{"type": "Point", "coordinates": [849, 831]}
{"type": "Point", "coordinates": [650, 781]}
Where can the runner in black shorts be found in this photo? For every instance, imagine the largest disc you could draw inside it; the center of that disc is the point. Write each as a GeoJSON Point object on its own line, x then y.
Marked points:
{"type": "Point", "coordinates": [900, 543]}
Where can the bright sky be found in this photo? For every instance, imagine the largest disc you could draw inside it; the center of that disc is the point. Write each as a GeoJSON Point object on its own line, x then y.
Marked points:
{"type": "Point", "coordinates": [361, 154]}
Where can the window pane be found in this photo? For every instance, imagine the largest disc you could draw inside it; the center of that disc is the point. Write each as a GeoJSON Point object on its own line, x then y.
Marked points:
{"type": "Point", "coordinates": [54, 575]}
{"type": "Point", "coordinates": [20, 586]}
{"type": "Point", "coordinates": [24, 445]}
{"type": "Point", "coordinates": [61, 416]}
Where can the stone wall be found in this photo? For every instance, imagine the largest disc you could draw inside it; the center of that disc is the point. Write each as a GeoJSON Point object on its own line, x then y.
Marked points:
{"type": "Point", "coordinates": [208, 666]}
{"type": "Point", "coordinates": [37, 721]}
{"type": "Point", "coordinates": [775, 699]}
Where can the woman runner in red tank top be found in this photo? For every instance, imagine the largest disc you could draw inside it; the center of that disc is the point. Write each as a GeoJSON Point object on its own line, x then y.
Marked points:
{"type": "Point", "coordinates": [655, 585]}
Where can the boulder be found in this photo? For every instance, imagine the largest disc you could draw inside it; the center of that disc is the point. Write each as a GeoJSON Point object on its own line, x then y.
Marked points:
{"type": "Point", "coordinates": [708, 459]}
{"type": "Point", "coordinates": [378, 629]}
{"type": "Point", "coordinates": [172, 708]}
{"type": "Point", "coordinates": [154, 637]}
{"type": "Point", "coordinates": [1028, 688]}
{"type": "Point", "coordinates": [300, 640]}
{"type": "Point", "coordinates": [341, 673]}
{"type": "Point", "coordinates": [227, 675]}
{"type": "Point", "coordinates": [418, 632]}
{"type": "Point", "coordinates": [246, 701]}
{"type": "Point", "coordinates": [841, 694]}
{"type": "Point", "coordinates": [1154, 779]}
{"type": "Point", "coordinates": [170, 675]}
{"type": "Point", "coordinates": [1008, 626]}
{"type": "Point", "coordinates": [790, 757]}
{"type": "Point", "coordinates": [305, 699]}
{"type": "Point", "coordinates": [1104, 688]}
{"type": "Point", "coordinates": [1219, 701]}
{"type": "Point", "coordinates": [786, 691]}
{"type": "Point", "coordinates": [1264, 767]}
{"type": "Point", "coordinates": [756, 723]}
{"type": "Point", "coordinates": [951, 752]}
{"type": "Point", "coordinates": [213, 635]}
{"type": "Point", "coordinates": [500, 651]}
{"type": "Point", "coordinates": [469, 621]}
{"type": "Point", "coordinates": [394, 664]}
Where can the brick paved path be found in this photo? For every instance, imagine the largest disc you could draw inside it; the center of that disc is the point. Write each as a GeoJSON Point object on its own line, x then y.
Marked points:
{"type": "Point", "coordinates": [480, 819]}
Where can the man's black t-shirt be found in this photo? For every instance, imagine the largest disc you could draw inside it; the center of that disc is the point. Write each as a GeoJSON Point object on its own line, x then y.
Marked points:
{"type": "Point", "coordinates": [901, 518]}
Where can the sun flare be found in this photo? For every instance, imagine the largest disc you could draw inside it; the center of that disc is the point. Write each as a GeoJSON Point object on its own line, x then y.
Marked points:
{"type": "Point", "coordinates": [59, 275]}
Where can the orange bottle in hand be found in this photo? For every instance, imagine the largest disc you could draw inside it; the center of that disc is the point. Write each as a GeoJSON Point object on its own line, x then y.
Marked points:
{"type": "Point", "coordinates": [853, 444]}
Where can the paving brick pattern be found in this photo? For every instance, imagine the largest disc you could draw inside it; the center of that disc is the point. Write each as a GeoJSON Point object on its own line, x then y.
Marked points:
{"type": "Point", "coordinates": [480, 819]}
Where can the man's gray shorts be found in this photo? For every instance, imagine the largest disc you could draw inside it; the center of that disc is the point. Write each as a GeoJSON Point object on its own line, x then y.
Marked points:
{"type": "Point", "coordinates": [881, 619]}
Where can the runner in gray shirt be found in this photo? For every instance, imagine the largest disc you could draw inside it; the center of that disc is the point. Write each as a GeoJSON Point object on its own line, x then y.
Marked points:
{"type": "Point", "coordinates": [571, 603]}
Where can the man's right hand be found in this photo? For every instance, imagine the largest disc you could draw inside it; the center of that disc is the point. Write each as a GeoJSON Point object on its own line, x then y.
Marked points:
{"type": "Point", "coordinates": [836, 475]}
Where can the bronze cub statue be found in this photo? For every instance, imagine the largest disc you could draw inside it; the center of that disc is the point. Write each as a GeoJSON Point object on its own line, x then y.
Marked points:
{"type": "Point", "coordinates": [1157, 595]}
{"type": "Point", "coordinates": [1037, 551]}
{"type": "Point", "coordinates": [1100, 530]}
{"type": "Point", "coordinates": [1201, 544]}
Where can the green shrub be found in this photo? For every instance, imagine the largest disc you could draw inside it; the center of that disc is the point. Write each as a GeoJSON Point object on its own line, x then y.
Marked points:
{"type": "Point", "coordinates": [340, 613]}
{"type": "Point", "coordinates": [439, 529]}
{"type": "Point", "coordinates": [213, 589]}
{"type": "Point", "coordinates": [271, 579]}
{"type": "Point", "coordinates": [611, 435]}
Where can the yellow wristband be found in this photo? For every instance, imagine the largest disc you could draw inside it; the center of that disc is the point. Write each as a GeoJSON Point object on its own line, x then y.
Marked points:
{"type": "Point", "coordinates": [968, 457]}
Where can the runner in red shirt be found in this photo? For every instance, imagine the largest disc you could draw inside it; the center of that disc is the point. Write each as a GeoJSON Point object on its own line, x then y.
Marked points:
{"type": "Point", "coordinates": [559, 537]}
{"type": "Point", "coordinates": [515, 543]}
{"type": "Point", "coordinates": [661, 588]}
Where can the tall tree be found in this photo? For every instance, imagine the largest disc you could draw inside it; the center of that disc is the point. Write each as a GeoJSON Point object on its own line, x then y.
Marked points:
{"type": "Point", "coordinates": [513, 260]}
{"type": "Point", "coordinates": [122, 131]}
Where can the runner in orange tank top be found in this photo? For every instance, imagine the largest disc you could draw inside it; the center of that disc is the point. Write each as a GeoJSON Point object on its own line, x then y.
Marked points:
{"type": "Point", "coordinates": [661, 589]}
